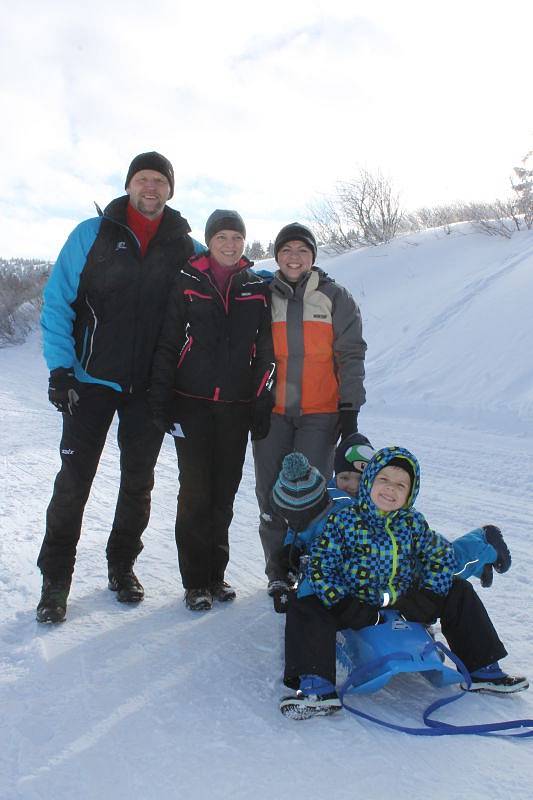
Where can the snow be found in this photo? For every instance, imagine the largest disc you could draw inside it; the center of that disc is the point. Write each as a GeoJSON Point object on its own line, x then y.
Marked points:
{"type": "Point", "coordinates": [155, 702]}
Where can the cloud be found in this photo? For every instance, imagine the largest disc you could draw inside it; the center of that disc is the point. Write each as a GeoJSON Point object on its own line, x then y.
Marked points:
{"type": "Point", "coordinates": [260, 111]}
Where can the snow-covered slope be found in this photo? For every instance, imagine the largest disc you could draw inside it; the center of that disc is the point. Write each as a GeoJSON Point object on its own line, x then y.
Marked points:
{"type": "Point", "coordinates": [155, 702]}
{"type": "Point", "coordinates": [449, 326]}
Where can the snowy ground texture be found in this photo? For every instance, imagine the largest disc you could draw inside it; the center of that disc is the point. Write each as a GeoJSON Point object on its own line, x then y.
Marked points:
{"type": "Point", "coordinates": [155, 702]}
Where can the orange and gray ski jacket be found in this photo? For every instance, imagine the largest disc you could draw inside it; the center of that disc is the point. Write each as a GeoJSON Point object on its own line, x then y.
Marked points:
{"type": "Point", "coordinates": [318, 345]}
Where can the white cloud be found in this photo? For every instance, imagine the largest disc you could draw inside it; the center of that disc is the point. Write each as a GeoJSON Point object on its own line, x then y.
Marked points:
{"type": "Point", "coordinates": [258, 107]}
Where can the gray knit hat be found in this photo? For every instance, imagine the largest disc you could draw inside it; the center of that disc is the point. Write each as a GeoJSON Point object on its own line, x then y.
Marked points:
{"type": "Point", "coordinates": [300, 491]}
{"type": "Point", "coordinates": [153, 161]}
{"type": "Point", "coordinates": [224, 219]}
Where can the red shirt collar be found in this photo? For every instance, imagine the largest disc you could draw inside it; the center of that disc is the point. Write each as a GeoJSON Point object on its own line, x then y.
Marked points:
{"type": "Point", "coordinates": [144, 229]}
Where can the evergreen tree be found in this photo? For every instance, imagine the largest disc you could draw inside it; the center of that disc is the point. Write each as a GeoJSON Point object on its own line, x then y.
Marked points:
{"type": "Point", "coordinates": [523, 189]}
{"type": "Point", "coordinates": [256, 251]}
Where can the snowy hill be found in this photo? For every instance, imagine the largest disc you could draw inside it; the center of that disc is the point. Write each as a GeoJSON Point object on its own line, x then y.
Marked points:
{"type": "Point", "coordinates": [156, 703]}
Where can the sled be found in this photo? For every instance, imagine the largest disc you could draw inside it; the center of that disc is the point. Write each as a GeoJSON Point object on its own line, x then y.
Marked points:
{"type": "Point", "coordinates": [374, 655]}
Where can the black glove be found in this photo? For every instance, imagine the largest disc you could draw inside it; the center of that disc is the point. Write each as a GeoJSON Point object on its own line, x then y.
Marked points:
{"type": "Point", "coordinates": [260, 416]}
{"type": "Point", "coordinates": [493, 536]}
{"type": "Point", "coordinates": [347, 422]}
{"type": "Point", "coordinates": [420, 605]}
{"type": "Point", "coordinates": [351, 613]}
{"type": "Point", "coordinates": [63, 390]}
{"type": "Point", "coordinates": [281, 598]}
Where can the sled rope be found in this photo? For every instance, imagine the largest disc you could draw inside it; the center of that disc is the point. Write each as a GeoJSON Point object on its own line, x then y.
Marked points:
{"type": "Point", "coordinates": [433, 727]}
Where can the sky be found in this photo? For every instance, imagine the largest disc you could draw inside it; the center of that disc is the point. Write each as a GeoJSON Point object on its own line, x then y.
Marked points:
{"type": "Point", "coordinates": [260, 107]}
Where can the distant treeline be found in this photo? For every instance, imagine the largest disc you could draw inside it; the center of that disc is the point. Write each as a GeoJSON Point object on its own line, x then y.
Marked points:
{"type": "Point", "coordinates": [21, 285]}
{"type": "Point", "coordinates": [364, 210]}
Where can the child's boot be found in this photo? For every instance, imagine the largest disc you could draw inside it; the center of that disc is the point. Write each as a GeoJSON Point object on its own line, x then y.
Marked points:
{"type": "Point", "coordinates": [492, 679]}
{"type": "Point", "coordinates": [316, 697]}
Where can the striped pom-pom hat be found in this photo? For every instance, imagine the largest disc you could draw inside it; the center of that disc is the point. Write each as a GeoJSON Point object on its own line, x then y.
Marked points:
{"type": "Point", "coordinates": [299, 486]}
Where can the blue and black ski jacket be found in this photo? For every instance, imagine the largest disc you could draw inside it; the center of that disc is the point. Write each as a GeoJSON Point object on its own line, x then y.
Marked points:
{"type": "Point", "coordinates": [104, 303]}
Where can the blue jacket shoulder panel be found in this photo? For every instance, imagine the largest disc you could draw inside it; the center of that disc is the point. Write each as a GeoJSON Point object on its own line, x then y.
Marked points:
{"type": "Point", "coordinates": [57, 316]}
{"type": "Point", "coordinates": [199, 248]}
{"type": "Point", "coordinates": [265, 274]}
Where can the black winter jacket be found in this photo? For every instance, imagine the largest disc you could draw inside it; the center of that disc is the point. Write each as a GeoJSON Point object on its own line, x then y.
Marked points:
{"type": "Point", "coordinates": [213, 347]}
{"type": "Point", "coordinates": [122, 296]}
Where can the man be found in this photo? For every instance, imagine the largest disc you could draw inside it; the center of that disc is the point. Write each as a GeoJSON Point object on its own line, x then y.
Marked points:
{"type": "Point", "coordinates": [103, 307]}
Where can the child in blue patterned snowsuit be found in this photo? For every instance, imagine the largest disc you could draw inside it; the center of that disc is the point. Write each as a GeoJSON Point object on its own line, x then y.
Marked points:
{"type": "Point", "coordinates": [381, 552]}
{"type": "Point", "coordinates": [477, 553]}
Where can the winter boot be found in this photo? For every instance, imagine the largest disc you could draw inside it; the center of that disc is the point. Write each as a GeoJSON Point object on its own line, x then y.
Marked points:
{"type": "Point", "coordinates": [222, 591]}
{"type": "Point", "coordinates": [125, 583]}
{"type": "Point", "coordinates": [198, 599]}
{"type": "Point", "coordinates": [53, 603]}
{"type": "Point", "coordinates": [493, 680]}
{"type": "Point", "coordinates": [316, 697]}
{"type": "Point", "coordinates": [304, 706]}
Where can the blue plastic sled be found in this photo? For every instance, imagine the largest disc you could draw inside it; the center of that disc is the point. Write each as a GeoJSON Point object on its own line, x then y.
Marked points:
{"type": "Point", "coordinates": [372, 656]}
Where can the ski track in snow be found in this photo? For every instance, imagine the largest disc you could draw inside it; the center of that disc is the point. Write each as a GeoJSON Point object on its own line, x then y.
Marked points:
{"type": "Point", "coordinates": [155, 702]}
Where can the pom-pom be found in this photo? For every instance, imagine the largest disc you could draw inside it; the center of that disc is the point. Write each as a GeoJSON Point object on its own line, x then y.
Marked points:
{"type": "Point", "coordinates": [295, 467]}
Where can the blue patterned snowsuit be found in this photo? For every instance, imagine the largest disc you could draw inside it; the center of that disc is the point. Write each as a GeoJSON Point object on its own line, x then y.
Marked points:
{"type": "Point", "coordinates": [373, 556]}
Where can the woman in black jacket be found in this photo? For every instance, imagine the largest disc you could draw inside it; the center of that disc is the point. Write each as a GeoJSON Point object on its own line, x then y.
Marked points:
{"type": "Point", "coordinates": [212, 375]}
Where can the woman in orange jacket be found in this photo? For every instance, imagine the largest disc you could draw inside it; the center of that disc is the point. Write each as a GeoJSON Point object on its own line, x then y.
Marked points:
{"type": "Point", "coordinates": [319, 352]}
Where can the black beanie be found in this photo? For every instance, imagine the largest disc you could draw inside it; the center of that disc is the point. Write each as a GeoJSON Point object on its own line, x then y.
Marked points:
{"type": "Point", "coordinates": [298, 233]}
{"type": "Point", "coordinates": [402, 463]}
{"type": "Point", "coordinates": [353, 454]}
{"type": "Point", "coordinates": [153, 161]}
{"type": "Point", "coordinates": [224, 220]}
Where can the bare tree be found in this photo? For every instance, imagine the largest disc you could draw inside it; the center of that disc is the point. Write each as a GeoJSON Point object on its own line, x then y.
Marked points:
{"type": "Point", "coordinates": [329, 227]}
{"type": "Point", "coordinates": [371, 206]}
{"type": "Point", "coordinates": [495, 219]}
{"type": "Point", "coordinates": [364, 211]}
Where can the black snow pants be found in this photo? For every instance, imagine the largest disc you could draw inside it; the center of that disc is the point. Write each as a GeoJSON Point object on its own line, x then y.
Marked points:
{"type": "Point", "coordinates": [311, 628]}
{"type": "Point", "coordinates": [82, 442]}
{"type": "Point", "coordinates": [210, 459]}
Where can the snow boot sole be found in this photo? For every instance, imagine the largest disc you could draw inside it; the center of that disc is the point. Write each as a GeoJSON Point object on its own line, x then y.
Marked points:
{"type": "Point", "coordinates": [51, 614]}
{"type": "Point", "coordinates": [502, 686]}
{"type": "Point", "coordinates": [301, 706]}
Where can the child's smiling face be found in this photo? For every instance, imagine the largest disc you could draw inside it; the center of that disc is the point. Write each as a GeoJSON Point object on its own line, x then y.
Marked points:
{"type": "Point", "coordinates": [391, 488]}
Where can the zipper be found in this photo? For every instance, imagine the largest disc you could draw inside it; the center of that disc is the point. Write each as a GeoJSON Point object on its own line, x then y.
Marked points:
{"type": "Point", "coordinates": [92, 334]}
{"type": "Point", "coordinates": [137, 296]}
{"type": "Point", "coordinates": [186, 347]}
{"type": "Point", "coordinates": [394, 567]}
